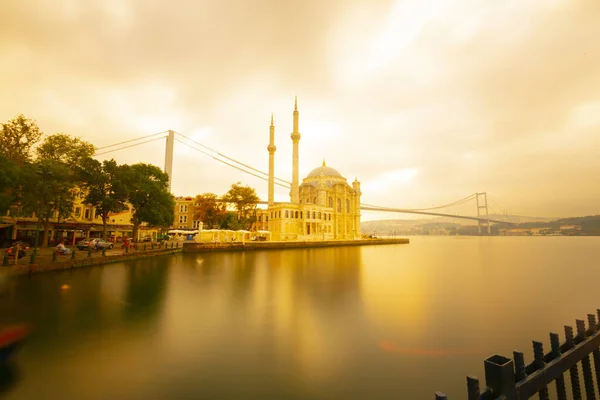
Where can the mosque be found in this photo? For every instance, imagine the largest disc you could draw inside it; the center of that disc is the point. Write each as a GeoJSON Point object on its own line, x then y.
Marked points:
{"type": "Point", "coordinates": [323, 207]}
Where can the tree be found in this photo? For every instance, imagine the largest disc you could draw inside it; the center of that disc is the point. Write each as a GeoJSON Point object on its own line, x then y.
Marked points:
{"type": "Point", "coordinates": [244, 199]}
{"type": "Point", "coordinates": [233, 222]}
{"type": "Point", "coordinates": [106, 188]}
{"type": "Point", "coordinates": [17, 137]}
{"type": "Point", "coordinates": [65, 149]}
{"type": "Point", "coordinates": [209, 210]}
{"type": "Point", "coordinates": [149, 195]}
{"type": "Point", "coordinates": [9, 185]}
{"type": "Point", "coordinates": [47, 188]}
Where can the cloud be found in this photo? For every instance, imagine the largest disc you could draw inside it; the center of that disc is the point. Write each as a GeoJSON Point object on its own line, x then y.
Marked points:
{"type": "Point", "coordinates": [495, 96]}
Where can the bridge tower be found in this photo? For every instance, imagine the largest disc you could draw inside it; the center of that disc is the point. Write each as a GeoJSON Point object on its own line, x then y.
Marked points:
{"type": "Point", "coordinates": [483, 205]}
{"type": "Point", "coordinates": [169, 157]}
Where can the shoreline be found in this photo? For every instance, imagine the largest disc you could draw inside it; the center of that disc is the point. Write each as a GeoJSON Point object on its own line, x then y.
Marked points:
{"type": "Point", "coordinates": [189, 247]}
{"type": "Point", "coordinates": [70, 264]}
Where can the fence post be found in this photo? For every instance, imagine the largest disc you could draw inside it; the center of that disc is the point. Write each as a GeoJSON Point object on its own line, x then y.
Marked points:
{"type": "Point", "coordinates": [595, 353]}
{"type": "Point", "coordinates": [561, 391]}
{"type": "Point", "coordinates": [574, 370]}
{"type": "Point", "coordinates": [538, 355]}
{"type": "Point", "coordinates": [585, 363]}
{"type": "Point", "coordinates": [500, 376]}
{"type": "Point", "coordinates": [520, 373]}
{"type": "Point", "coordinates": [473, 388]}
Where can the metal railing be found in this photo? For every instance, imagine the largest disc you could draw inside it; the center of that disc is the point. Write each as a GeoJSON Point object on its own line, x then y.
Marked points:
{"type": "Point", "coordinates": [508, 379]}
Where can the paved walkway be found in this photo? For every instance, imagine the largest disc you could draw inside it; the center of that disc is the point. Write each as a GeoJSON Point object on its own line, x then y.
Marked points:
{"type": "Point", "coordinates": [44, 256]}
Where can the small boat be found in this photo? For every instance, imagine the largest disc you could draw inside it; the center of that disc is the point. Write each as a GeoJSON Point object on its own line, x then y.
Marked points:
{"type": "Point", "coordinates": [10, 339]}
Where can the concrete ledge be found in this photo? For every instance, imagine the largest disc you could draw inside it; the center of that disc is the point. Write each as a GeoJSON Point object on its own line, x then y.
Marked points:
{"type": "Point", "coordinates": [253, 246]}
{"type": "Point", "coordinates": [28, 269]}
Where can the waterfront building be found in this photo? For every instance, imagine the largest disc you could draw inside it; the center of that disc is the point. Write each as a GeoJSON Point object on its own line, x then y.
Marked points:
{"type": "Point", "coordinates": [81, 223]}
{"type": "Point", "coordinates": [323, 207]}
{"type": "Point", "coordinates": [184, 213]}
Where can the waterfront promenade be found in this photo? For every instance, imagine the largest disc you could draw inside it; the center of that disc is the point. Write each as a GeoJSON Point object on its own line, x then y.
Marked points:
{"type": "Point", "coordinates": [45, 261]}
{"type": "Point", "coordinates": [194, 247]}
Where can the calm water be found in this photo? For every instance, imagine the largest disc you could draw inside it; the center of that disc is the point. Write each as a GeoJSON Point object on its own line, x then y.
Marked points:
{"type": "Point", "coordinates": [376, 322]}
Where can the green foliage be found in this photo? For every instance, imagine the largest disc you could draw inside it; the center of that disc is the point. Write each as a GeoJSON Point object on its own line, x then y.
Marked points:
{"type": "Point", "coordinates": [47, 188]}
{"type": "Point", "coordinates": [9, 181]}
{"type": "Point", "coordinates": [209, 210]}
{"type": "Point", "coordinates": [65, 149]}
{"type": "Point", "coordinates": [17, 137]}
{"type": "Point", "coordinates": [232, 221]}
{"type": "Point", "coordinates": [244, 199]}
{"type": "Point", "coordinates": [149, 195]}
{"type": "Point", "coordinates": [106, 187]}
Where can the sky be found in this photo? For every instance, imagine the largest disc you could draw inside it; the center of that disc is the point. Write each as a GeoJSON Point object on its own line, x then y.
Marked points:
{"type": "Point", "coordinates": [424, 101]}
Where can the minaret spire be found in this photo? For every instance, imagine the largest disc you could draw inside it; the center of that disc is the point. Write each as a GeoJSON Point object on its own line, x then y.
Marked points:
{"type": "Point", "coordinates": [271, 148]}
{"type": "Point", "coordinates": [295, 190]}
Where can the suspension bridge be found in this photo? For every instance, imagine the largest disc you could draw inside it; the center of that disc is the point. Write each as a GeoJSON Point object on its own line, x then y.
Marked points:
{"type": "Point", "coordinates": [481, 199]}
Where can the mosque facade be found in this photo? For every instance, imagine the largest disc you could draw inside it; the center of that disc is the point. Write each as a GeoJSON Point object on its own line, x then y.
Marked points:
{"type": "Point", "coordinates": [323, 207]}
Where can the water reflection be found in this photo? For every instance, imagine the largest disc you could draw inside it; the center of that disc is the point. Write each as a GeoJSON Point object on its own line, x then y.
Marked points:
{"type": "Point", "coordinates": [373, 322]}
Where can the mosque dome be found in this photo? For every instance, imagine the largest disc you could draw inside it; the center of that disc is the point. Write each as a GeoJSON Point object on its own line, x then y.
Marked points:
{"type": "Point", "coordinates": [325, 170]}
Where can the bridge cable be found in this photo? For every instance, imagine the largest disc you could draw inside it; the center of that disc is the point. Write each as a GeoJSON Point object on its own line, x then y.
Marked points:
{"type": "Point", "coordinates": [461, 201]}
{"type": "Point", "coordinates": [229, 164]}
{"type": "Point", "coordinates": [129, 141]}
{"type": "Point", "coordinates": [229, 158]}
{"type": "Point", "coordinates": [126, 147]}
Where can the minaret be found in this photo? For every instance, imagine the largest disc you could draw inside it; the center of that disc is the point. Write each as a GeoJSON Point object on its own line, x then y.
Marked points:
{"type": "Point", "coordinates": [294, 192]}
{"type": "Point", "coordinates": [271, 148]}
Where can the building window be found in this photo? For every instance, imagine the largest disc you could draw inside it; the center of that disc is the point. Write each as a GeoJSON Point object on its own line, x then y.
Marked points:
{"type": "Point", "coordinates": [314, 215]}
{"type": "Point", "coordinates": [259, 218]}
{"type": "Point", "coordinates": [286, 214]}
{"type": "Point", "coordinates": [87, 213]}
{"type": "Point", "coordinates": [279, 213]}
{"type": "Point", "coordinates": [296, 214]}
{"type": "Point", "coordinates": [267, 218]}
{"type": "Point", "coordinates": [183, 208]}
{"type": "Point", "coordinates": [77, 211]}
{"type": "Point", "coordinates": [196, 224]}
{"type": "Point", "coordinates": [183, 219]}
{"type": "Point", "coordinates": [331, 202]}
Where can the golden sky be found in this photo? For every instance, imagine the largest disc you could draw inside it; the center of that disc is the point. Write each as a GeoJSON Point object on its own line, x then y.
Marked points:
{"type": "Point", "coordinates": [424, 101]}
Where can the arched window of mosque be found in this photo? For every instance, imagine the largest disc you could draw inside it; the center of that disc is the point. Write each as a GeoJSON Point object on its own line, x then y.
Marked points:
{"type": "Point", "coordinates": [331, 202]}
{"type": "Point", "coordinates": [339, 205]}
{"type": "Point", "coordinates": [347, 206]}
{"type": "Point", "coordinates": [296, 214]}
{"type": "Point", "coordinates": [319, 215]}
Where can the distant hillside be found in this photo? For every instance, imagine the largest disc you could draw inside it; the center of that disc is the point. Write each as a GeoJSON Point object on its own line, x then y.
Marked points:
{"type": "Point", "coordinates": [589, 225]}
{"type": "Point", "coordinates": [388, 225]}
